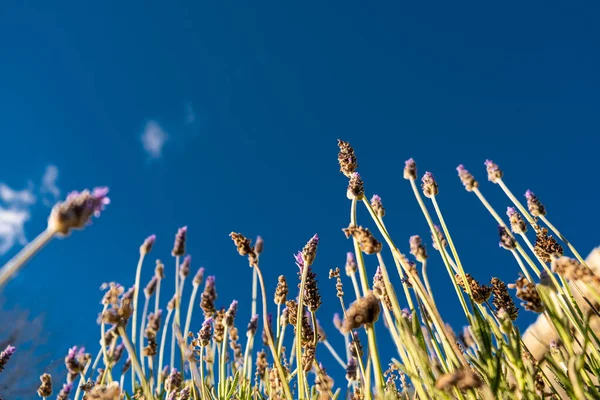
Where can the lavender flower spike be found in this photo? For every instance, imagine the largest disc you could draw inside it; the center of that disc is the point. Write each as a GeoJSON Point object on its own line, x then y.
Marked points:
{"type": "Point", "coordinates": [6, 355]}
{"type": "Point", "coordinates": [75, 212]}
{"type": "Point", "coordinates": [147, 245]}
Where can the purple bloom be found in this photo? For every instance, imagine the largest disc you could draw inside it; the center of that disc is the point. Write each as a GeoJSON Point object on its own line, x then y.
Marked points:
{"type": "Point", "coordinates": [299, 260]}
{"type": "Point", "coordinates": [147, 245]}
{"type": "Point", "coordinates": [5, 355]}
{"type": "Point", "coordinates": [510, 211]}
{"type": "Point", "coordinates": [461, 169]}
{"type": "Point", "coordinates": [75, 212]}
{"type": "Point", "coordinates": [529, 195]}
{"type": "Point", "coordinates": [375, 197]}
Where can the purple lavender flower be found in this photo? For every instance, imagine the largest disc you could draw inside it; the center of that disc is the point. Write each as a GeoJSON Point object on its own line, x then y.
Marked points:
{"type": "Point", "coordinates": [467, 179]}
{"type": "Point", "coordinates": [179, 245]}
{"type": "Point", "coordinates": [5, 355]}
{"type": "Point", "coordinates": [64, 393]}
{"type": "Point", "coordinates": [493, 170]}
{"type": "Point", "coordinates": [535, 206]}
{"type": "Point", "coordinates": [410, 169]}
{"type": "Point", "coordinates": [299, 260]}
{"type": "Point", "coordinates": [230, 314]}
{"type": "Point", "coordinates": [147, 245]}
{"type": "Point", "coordinates": [75, 212]}
{"type": "Point", "coordinates": [429, 185]}
{"type": "Point", "coordinates": [252, 325]}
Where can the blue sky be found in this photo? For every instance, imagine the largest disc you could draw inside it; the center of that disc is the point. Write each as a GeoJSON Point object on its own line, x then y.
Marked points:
{"type": "Point", "coordinates": [225, 117]}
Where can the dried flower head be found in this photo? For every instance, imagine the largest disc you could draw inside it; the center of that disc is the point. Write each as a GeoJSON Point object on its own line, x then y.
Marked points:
{"type": "Point", "coordinates": [281, 291]}
{"type": "Point", "coordinates": [75, 212]}
{"type": "Point", "coordinates": [261, 364]}
{"type": "Point", "coordinates": [159, 270]}
{"type": "Point", "coordinates": [309, 252]}
{"type": "Point", "coordinates": [151, 287]}
{"type": "Point", "coordinates": [527, 292]}
{"type": "Point", "coordinates": [312, 297]}
{"type": "Point", "coordinates": [244, 248]}
{"type": "Point", "coordinates": [208, 297]}
{"type": "Point", "coordinates": [364, 311]}
{"type": "Point", "coordinates": [503, 300]}
{"type": "Point", "coordinates": [517, 224]}
{"type": "Point", "coordinates": [112, 294]}
{"type": "Point", "coordinates": [493, 170]}
{"type": "Point", "coordinates": [346, 158]}
{"type": "Point", "coordinates": [410, 169]}
{"type": "Point", "coordinates": [377, 206]}
{"type": "Point", "coordinates": [252, 325]}
{"type": "Point", "coordinates": [351, 370]}
{"type": "Point", "coordinates": [230, 314]}
{"type": "Point", "coordinates": [462, 379]}
{"type": "Point", "coordinates": [179, 244]}
{"type": "Point", "coordinates": [219, 327]}
{"type": "Point", "coordinates": [573, 270]}
{"type": "Point", "coordinates": [205, 333]}
{"type": "Point", "coordinates": [355, 348]}
{"type": "Point", "coordinates": [535, 206]}
{"type": "Point", "coordinates": [366, 241]}
{"type": "Point", "coordinates": [506, 240]}
{"type": "Point", "coordinates": [380, 290]}
{"type": "Point", "coordinates": [350, 264]}
{"type": "Point", "coordinates": [174, 381]}
{"type": "Point", "coordinates": [147, 245]}
{"type": "Point", "coordinates": [479, 292]}
{"type": "Point", "coordinates": [440, 237]}
{"type": "Point", "coordinates": [110, 391]}
{"type": "Point", "coordinates": [323, 382]}
{"type": "Point", "coordinates": [467, 179]}
{"type": "Point", "coordinates": [5, 355]}
{"type": "Point", "coordinates": [184, 269]}
{"type": "Point", "coordinates": [429, 185]}
{"type": "Point", "coordinates": [45, 388]}
{"type": "Point", "coordinates": [76, 360]}
{"type": "Point", "coordinates": [308, 356]}
{"type": "Point", "coordinates": [546, 247]}
{"type": "Point", "coordinates": [417, 248]}
{"type": "Point", "coordinates": [356, 187]}
{"type": "Point", "coordinates": [199, 277]}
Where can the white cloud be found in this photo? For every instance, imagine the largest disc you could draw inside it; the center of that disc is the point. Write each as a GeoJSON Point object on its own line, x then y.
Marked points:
{"type": "Point", "coordinates": [16, 207]}
{"type": "Point", "coordinates": [153, 139]}
{"type": "Point", "coordinates": [48, 188]}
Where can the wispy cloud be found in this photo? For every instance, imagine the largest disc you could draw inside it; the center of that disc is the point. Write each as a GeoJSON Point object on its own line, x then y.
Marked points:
{"type": "Point", "coordinates": [48, 188]}
{"type": "Point", "coordinates": [153, 139]}
{"type": "Point", "coordinates": [16, 207]}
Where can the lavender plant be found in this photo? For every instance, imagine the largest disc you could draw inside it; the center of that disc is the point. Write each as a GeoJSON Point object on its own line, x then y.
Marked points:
{"type": "Point", "coordinates": [489, 359]}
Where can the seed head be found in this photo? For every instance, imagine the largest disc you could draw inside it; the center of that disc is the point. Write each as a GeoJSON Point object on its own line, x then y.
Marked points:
{"type": "Point", "coordinates": [493, 170]}
{"type": "Point", "coordinates": [174, 381]}
{"type": "Point", "coordinates": [535, 206]}
{"type": "Point", "coordinates": [184, 269]}
{"type": "Point", "coordinates": [417, 249]}
{"type": "Point", "coordinates": [350, 264]}
{"type": "Point", "coordinates": [309, 252]}
{"type": "Point", "coordinates": [410, 170]}
{"type": "Point", "coordinates": [503, 300]}
{"type": "Point", "coordinates": [527, 292]}
{"type": "Point", "coordinates": [467, 179]}
{"type": "Point", "coordinates": [506, 240]}
{"type": "Point", "coordinates": [110, 391]}
{"type": "Point", "coordinates": [380, 290]}
{"type": "Point", "coordinates": [199, 277]}
{"type": "Point", "coordinates": [481, 293]}
{"type": "Point", "coordinates": [208, 297]}
{"type": "Point", "coordinates": [346, 158]}
{"type": "Point", "coordinates": [76, 211]}
{"type": "Point", "coordinates": [45, 388]}
{"type": "Point", "coordinates": [573, 270]}
{"type": "Point", "coordinates": [440, 235]}
{"type": "Point", "coordinates": [429, 185]}
{"type": "Point", "coordinates": [159, 270]}
{"type": "Point", "coordinates": [282, 290]}
{"type": "Point", "coordinates": [462, 379]}
{"type": "Point", "coordinates": [356, 187]}
{"type": "Point", "coordinates": [517, 225]}
{"type": "Point", "coordinates": [364, 311]}
{"type": "Point", "coordinates": [366, 241]}
{"type": "Point", "coordinates": [546, 246]}
{"type": "Point", "coordinates": [179, 245]}
{"type": "Point", "coordinates": [230, 314]}
{"type": "Point", "coordinates": [377, 206]}
{"type": "Point", "coordinates": [244, 248]}
{"type": "Point", "coordinates": [205, 334]}
{"type": "Point", "coordinates": [312, 297]}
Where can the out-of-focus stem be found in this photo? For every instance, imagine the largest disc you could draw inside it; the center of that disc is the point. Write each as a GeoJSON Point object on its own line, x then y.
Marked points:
{"type": "Point", "coordinates": [134, 361]}
{"type": "Point", "coordinates": [162, 348]}
{"type": "Point", "coordinates": [188, 319]}
{"type": "Point", "coordinates": [15, 263]}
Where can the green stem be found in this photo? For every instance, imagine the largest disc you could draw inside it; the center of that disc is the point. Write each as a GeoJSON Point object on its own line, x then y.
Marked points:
{"type": "Point", "coordinates": [162, 348]}
{"type": "Point", "coordinates": [135, 364]}
{"type": "Point", "coordinates": [188, 319]}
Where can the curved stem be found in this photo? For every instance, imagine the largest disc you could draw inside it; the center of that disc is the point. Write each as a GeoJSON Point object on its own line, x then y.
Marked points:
{"type": "Point", "coordinates": [162, 348]}
{"type": "Point", "coordinates": [188, 318]}
{"type": "Point", "coordinates": [135, 364]}
{"type": "Point", "coordinates": [142, 329]}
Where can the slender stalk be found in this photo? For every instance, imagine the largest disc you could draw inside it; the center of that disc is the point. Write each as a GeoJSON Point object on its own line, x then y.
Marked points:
{"type": "Point", "coordinates": [334, 353]}
{"type": "Point", "coordinates": [15, 263]}
{"type": "Point", "coordinates": [564, 239]}
{"type": "Point", "coordinates": [176, 318]}
{"type": "Point", "coordinates": [276, 359]}
{"type": "Point", "coordinates": [162, 347]}
{"type": "Point", "coordinates": [136, 293]}
{"type": "Point", "coordinates": [223, 358]}
{"type": "Point", "coordinates": [157, 298]}
{"type": "Point", "coordinates": [142, 329]}
{"type": "Point", "coordinates": [188, 319]}
{"type": "Point", "coordinates": [201, 367]}
{"type": "Point", "coordinates": [134, 361]}
{"type": "Point", "coordinates": [300, 316]}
